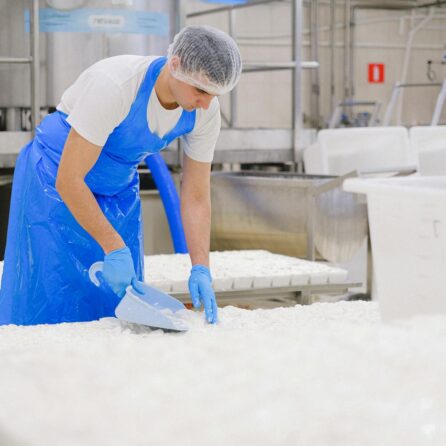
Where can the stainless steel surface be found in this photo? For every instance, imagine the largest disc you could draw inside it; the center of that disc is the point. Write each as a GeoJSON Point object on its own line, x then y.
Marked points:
{"type": "Point", "coordinates": [84, 49]}
{"type": "Point", "coordinates": [5, 179]}
{"type": "Point", "coordinates": [180, 15]}
{"type": "Point", "coordinates": [279, 212]}
{"type": "Point", "coordinates": [17, 47]}
{"type": "Point", "coordinates": [10, 145]}
{"type": "Point", "coordinates": [64, 55]}
{"type": "Point", "coordinates": [237, 145]}
{"type": "Point", "coordinates": [13, 119]}
{"type": "Point", "coordinates": [258, 145]}
{"type": "Point", "coordinates": [35, 65]}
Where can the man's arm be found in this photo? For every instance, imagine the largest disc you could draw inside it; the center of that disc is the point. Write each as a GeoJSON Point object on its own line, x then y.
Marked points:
{"type": "Point", "coordinates": [78, 157]}
{"type": "Point", "coordinates": [196, 209]}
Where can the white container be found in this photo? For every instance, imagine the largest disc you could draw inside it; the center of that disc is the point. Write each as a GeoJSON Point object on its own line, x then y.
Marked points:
{"type": "Point", "coordinates": [340, 151]}
{"type": "Point", "coordinates": [430, 144]}
{"type": "Point", "coordinates": [407, 220]}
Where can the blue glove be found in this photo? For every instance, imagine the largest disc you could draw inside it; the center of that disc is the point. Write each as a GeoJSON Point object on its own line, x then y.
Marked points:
{"type": "Point", "coordinates": [200, 288]}
{"type": "Point", "coordinates": [118, 270]}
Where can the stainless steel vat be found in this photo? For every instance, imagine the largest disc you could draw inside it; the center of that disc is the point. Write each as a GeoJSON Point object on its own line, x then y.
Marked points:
{"type": "Point", "coordinates": [286, 213]}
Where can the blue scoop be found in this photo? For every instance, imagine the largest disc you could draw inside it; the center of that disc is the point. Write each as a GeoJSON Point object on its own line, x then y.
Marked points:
{"type": "Point", "coordinates": [146, 305]}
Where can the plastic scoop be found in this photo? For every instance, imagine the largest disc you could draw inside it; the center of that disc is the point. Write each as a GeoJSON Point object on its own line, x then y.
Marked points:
{"type": "Point", "coordinates": [147, 306]}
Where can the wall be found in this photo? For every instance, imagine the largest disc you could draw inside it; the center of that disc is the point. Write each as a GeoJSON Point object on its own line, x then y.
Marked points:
{"type": "Point", "coordinates": [264, 34]}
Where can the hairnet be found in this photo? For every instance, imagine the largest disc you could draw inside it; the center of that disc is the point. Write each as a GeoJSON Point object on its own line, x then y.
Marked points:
{"type": "Point", "coordinates": [209, 59]}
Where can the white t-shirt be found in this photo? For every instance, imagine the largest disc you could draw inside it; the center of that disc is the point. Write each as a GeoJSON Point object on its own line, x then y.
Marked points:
{"type": "Point", "coordinates": [101, 98]}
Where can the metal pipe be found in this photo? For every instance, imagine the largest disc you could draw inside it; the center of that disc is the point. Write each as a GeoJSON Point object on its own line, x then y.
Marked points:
{"type": "Point", "coordinates": [351, 52]}
{"type": "Point", "coordinates": [15, 60]}
{"type": "Point", "coordinates": [297, 81]}
{"type": "Point", "coordinates": [180, 13]}
{"type": "Point", "coordinates": [35, 65]}
{"type": "Point", "coordinates": [332, 55]}
{"type": "Point", "coordinates": [233, 94]}
{"type": "Point", "coordinates": [315, 86]}
{"type": "Point", "coordinates": [412, 33]}
{"type": "Point", "coordinates": [428, 5]}
{"type": "Point", "coordinates": [439, 105]}
{"type": "Point", "coordinates": [265, 66]}
{"type": "Point", "coordinates": [228, 8]}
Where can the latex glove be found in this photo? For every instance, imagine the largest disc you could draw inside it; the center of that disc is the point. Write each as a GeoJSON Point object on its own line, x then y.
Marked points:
{"type": "Point", "coordinates": [201, 291]}
{"type": "Point", "coordinates": [118, 270]}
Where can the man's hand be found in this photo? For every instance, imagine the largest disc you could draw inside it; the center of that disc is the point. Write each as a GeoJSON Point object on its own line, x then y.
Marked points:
{"type": "Point", "coordinates": [118, 270]}
{"type": "Point", "coordinates": [200, 288]}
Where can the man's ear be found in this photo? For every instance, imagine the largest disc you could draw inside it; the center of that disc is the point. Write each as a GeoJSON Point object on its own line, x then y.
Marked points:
{"type": "Point", "coordinates": [174, 63]}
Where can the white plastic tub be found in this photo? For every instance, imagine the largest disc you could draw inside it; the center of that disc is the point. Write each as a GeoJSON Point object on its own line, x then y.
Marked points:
{"type": "Point", "coordinates": [407, 219]}
{"type": "Point", "coordinates": [339, 151]}
{"type": "Point", "coordinates": [430, 144]}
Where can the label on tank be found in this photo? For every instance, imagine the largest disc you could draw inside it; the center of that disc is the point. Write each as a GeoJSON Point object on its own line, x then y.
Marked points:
{"type": "Point", "coordinates": [101, 20]}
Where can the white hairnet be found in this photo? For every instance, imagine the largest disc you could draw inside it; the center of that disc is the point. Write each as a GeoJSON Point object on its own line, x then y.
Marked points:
{"type": "Point", "coordinates": [209, 59]}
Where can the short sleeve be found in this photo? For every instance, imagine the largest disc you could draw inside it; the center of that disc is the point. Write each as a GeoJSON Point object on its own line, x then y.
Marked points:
{"type": "Point", "coordinates": [98, 109]}
{"type": "Point", "coordinates": [200, 143]}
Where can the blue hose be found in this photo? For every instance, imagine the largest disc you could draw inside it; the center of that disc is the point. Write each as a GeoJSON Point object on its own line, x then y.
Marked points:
{"type": "Point", "coordinates": [169, 196]}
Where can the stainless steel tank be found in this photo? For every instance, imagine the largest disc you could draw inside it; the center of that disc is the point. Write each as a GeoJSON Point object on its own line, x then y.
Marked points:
{"type": "Point", "coordinates": [286, 213]}
{"type": "Point", "coordinates": [15, 79]}
{"type": "Point", "coordinates": [66, 54]}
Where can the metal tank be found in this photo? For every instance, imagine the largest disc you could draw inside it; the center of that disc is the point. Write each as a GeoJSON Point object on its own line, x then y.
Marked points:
{"type": "Point", "coordinates": [15, 79]}
{"type": "Point", "coordinates": [67, 47]}
{"type": "Point", "coordinates": [287, 213]}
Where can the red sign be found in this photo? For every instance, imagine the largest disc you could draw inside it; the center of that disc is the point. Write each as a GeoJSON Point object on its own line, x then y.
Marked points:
{"type": "Point", "coordinates": [376, 73]}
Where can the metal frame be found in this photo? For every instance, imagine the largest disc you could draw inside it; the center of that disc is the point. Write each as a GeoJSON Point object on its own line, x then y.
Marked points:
{"type": "Point", "coordinates": [33, 61]}
{"type": "Point", "coordinates": [395, 94]}
{"type": "Point", "coordinates": [296, 65]}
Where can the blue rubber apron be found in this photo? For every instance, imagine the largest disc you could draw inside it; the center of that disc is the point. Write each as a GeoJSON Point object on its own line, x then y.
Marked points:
{"type": "Point", "coordinates": [45, 276]}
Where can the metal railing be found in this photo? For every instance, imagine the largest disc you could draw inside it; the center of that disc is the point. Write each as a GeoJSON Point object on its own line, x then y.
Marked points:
{"type": "Point", "coordinates": [33, 61]}
{"type": "Point", "coordinates": [395, 94]}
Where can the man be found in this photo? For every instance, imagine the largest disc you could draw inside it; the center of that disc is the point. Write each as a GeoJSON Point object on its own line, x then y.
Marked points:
{"type": "Point", "coordinates": [75, 196]}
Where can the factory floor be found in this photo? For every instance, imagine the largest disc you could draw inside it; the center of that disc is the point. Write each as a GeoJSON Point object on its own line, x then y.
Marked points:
{"type": "Point", "coordinates": [325, 374]}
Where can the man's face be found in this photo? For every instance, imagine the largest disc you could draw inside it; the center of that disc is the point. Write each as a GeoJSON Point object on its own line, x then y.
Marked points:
{"type": "Point", "coordinates": [189, 97]}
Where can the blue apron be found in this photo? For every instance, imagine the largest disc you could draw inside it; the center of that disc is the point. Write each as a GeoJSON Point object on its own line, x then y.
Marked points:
{"type": "Point", "coordinates": [48, 254]}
